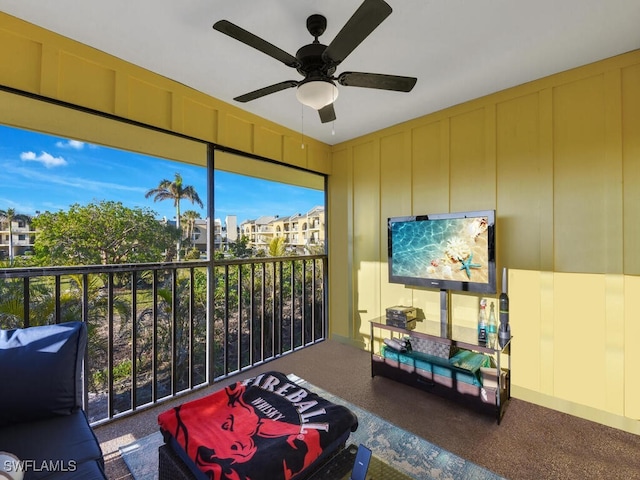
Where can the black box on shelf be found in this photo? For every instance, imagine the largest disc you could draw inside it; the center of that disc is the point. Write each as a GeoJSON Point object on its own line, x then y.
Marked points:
{"type": "Point", "coordinates": [402, 323]}
{"type": "Point", "coordinates": [401, 316]}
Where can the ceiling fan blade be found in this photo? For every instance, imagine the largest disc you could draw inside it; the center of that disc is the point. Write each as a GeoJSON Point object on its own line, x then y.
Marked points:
{"type": "Point", "coordinates": [261, 92]}
{"type": "Point", "coordinates": [377, 80]}
{"type": "Point", "coordinates": [327, 113]}
{"type": "Point", "coordinates": [364, 21]}
{"type": "Point", "coordinates": [256, 42]}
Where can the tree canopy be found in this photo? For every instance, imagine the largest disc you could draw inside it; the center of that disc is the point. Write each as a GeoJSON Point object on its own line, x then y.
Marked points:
{"type": "Point", "coordinates": [240, 248]}
{"type": "Point", "coordinates": [104, 233]}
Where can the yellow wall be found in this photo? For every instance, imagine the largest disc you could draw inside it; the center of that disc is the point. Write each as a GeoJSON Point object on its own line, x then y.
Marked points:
{"type": "Point", "coordinates": [558, 158]}
{"type": "Point", "coordinates": [38, 61]}
{"type": "Point", "coordinates": [559, 161]}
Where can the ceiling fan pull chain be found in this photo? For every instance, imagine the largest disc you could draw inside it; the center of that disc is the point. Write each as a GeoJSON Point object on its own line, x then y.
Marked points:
{"type": "Point", "coordinates": [333, 123]}
{"type": "Point", "coordinates": [302, 126]}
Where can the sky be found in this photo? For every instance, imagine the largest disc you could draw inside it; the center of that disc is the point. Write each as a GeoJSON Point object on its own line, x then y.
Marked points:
{"type": "Point", "coordinates": [41, 173]}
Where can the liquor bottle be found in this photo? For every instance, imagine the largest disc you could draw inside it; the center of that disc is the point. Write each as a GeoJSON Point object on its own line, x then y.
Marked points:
{"type": "Point", "coordinates": [492, 329]}
{"type": "Point", "coordinates": [482, 323]}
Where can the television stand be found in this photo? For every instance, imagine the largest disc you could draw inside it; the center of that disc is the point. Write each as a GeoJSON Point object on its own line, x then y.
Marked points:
{"type": "Point", "coordinates": [454, 366]}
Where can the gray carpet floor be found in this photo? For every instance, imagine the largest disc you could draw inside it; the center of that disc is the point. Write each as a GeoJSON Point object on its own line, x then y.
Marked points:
{"type": "Point", "coordinates": [531, 442]}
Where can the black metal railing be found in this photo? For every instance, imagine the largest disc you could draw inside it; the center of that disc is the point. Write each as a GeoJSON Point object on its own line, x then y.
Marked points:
{"type": "Point", "coordinates": [157, 331]}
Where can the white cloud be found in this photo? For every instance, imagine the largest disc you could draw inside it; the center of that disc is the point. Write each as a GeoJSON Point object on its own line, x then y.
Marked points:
{"type": "Point", "coordinates": [31, 176]}
{"type": "Point", "coordinates": [75, 144]}
{"type": "Point", "coordinates": [46, 159]}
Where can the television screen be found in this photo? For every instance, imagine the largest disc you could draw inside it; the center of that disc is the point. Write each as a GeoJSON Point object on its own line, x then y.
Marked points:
{"type": "Point", "coordinates": [449, 251]}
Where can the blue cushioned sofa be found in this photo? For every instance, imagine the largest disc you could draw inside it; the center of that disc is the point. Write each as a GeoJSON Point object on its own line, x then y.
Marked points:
{"type": "Point", "coordinates": [42, 424]}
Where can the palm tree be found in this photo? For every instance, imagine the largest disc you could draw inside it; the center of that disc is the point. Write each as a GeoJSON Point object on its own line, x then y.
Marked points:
{"type": "Point", "coordinates": [277, 247]}
{"type": "Point", "coordinates": [190, 217]}
{"type": "Point", "coordinates": [9, 215]}
{"type": "Point", "coordinates": [168, 190]}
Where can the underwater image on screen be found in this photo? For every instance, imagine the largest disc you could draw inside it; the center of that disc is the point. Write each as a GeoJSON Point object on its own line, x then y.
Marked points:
{"type": "Point", "coordinates": [442, 249]}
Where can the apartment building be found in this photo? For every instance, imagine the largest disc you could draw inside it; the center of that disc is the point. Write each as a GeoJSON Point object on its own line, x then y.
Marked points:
{"type": "Point", "coordinates": [223, 233]}
{"type": "Point", "coordinates": [16, 239]}
{"type": "Point", "coordinates": [301, 231]}
{"type": "Point", "coordinates": [259, 231]}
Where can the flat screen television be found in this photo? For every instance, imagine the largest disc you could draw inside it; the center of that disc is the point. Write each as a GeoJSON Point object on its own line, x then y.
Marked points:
{"type": "Point", "coordinates": [448, 251]}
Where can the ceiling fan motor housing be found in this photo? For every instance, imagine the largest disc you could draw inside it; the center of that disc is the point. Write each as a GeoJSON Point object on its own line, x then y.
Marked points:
{"type": "Point", "coordinates": [311, 62]}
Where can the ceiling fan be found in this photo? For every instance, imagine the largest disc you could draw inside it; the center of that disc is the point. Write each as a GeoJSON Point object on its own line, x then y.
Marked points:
{"type": "Point", "coordinates": [317, 62]}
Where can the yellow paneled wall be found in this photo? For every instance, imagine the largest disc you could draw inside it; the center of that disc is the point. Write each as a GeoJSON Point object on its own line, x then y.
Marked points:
{"type": "Point", "coordinates": [631, 359]}
{"type": "Point", "coordinates": [366, 238]}
{"type": "Point", "coordinates": [38, 61]}
{"type": "Point", "coordinates": [576, 344]}
{"type": "Point", "coordinates": [587, 175]}
{"type": "Point", "coordinates": [340, 242]}
{"type": "Point", "coordinates": [631, 166]}
{"type": "Point", "coordinates": [559, 161]}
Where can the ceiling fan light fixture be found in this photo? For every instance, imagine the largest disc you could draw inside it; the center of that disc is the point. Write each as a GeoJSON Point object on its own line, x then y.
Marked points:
{"type": "Point", "coordinates": [317, 93]}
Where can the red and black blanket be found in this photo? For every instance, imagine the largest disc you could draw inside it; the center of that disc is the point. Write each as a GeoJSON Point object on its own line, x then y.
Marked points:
{"type": "Point", "coordinates": [265, 427]}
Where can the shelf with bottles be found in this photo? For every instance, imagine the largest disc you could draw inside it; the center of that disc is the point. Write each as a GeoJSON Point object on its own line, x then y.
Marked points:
{"type": "Point", "coordinates": [463, 336]}
{"type": "Point", "coordinates": [459, 337]}
{"type": "Point", "coordinates": [456, 365]}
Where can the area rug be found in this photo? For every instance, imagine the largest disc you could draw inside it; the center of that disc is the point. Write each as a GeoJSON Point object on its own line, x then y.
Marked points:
{"type": "Point", "coordinates": [406, 452]}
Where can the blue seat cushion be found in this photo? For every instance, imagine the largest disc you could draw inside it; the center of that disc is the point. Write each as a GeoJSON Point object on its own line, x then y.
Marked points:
{"type": "Point", "coordinates": [58, 446]}
{"type": "Point", "coordinates": [40, 371]}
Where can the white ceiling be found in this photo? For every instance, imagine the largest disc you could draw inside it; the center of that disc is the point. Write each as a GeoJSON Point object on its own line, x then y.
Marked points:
{"type": "Point", "coordinates": [458, 49]}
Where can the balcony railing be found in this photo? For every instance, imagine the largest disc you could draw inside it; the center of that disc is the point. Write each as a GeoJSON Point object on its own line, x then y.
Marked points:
{"type": "Point", "coordinates": [157, 331]}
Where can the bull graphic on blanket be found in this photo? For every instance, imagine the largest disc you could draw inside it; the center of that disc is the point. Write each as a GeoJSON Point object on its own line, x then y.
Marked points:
{"type": "Point", "coordinates": [263, 428]}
